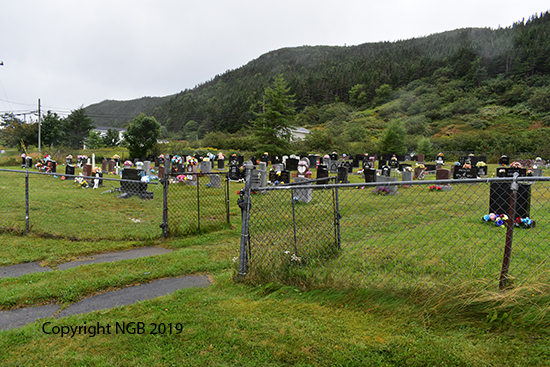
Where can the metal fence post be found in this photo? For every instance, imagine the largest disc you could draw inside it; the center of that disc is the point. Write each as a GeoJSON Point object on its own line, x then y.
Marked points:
{"type": "Point", "coordinates": [165, 183]}
{"type": "Point", "coordinates": [337, 216]}
{"type": "Point", "coordinates": [227, 198]}
{"type": "Point", "coordinates": [198, 203]}
{"type": "Point", "coordinates": [27, 201]}
{"type": "Point", "coordinates": [509, 235]}
{"type": "Point", "coordinates": [294, 221]}
{"type": "Point", "coordinates": [244, 204]}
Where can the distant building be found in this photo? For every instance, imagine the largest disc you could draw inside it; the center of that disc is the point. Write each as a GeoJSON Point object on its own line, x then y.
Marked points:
{"type": "Point", "coordinates": [103, 131]}
{"type": "Point", "coordinates": [299, 133]}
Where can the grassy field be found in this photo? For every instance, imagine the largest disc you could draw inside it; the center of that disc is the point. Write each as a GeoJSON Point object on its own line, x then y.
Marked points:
{"type": "Point", "coordinates": [269, 323]}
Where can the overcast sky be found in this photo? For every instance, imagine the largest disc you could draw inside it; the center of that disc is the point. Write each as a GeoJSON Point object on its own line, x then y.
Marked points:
{"type": "Point", "coordinates": [74, 53]}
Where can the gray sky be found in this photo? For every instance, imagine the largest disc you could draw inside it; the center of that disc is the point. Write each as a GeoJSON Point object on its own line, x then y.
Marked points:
{"type": "Point", "coordinates": [73, 53]}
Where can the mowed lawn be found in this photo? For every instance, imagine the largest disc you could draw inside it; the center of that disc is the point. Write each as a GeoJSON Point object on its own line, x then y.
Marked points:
{"type": "Point", "coordinates": [261, 322]}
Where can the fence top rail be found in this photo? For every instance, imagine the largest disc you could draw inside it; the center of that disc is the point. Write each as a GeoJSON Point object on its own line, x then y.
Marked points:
{"type": "Point", "coordinates": [76, 176]}
{"type": "Point", "coordinates": [401, 183]}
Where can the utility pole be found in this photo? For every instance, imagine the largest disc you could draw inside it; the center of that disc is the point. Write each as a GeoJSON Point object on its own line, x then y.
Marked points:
{"type": "Point", "coordinates": [39, 118]}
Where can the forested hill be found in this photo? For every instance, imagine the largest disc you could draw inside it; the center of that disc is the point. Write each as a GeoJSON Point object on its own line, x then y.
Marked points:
{"type": "Point", "coordinates": [118, 113]}
{"type": "Point", "coordinates": [320, 75]}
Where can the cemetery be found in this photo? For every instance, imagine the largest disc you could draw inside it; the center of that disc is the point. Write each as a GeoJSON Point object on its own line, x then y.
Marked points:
{"type": "Point", "coordinates": [396, 227]}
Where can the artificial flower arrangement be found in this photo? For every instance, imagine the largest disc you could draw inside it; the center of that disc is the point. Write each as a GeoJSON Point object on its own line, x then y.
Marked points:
{"type": "Point", "coordinates": [481, 164]}
{"type": "Point", "coordinates": [23, 155]}
{"type": "Point", "coordinates": [529, 172]}
{"type": "Point", "coordinates": [69, 157]}
{"type": "Point", "coordinates": [83, 157]}
{"type": "Point", "coordinates": [97, 170]}
{"type": "Point", "coordinates": [192, 161]}
{"type": "Point", "coordinates": [181, 178]}
{"type": "Point", "coordinates": [161, 156]}
{"type": "Point", "coordinates": [408, 169]}
{"type": "Point", "coordinates": [440, 155]}
{"type": "Point", "coordinates": [116, 156]}
{"type": "Point", "coordinates": [382, 191]}
{"type": "Point", "coordinates": [500, 219]}
{"type": "Point", "coordinates": [435, 188]}
{"type": "Point", "coordinates": [417, 165]}
{"type": "Point", "coordinates": [128, 164]}
{"type": "Point", "coordinates": [359, 172]}
{"type": "Point", "coordinates": [467, 165]}
{"type": "Point", "coordinates": [515, 165]}
{"type": "Point", "coordinates": [176, 159]}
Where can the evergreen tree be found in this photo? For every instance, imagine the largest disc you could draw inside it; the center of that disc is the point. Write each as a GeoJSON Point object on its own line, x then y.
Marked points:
{"type": "Point", "coordinates": [141, 135]}
{"type": "Point", "coordinates": [272, 125]}
{"type": "Point", "coordinates": [393, 140]}
{"type": "Point", "coordinates": [77, 128]}
{"type": "Point", "coordinates": [52, 129]}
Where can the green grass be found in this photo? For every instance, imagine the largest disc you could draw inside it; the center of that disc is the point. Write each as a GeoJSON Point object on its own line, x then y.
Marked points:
{"type": "Point", "coordinates": [329, 319]}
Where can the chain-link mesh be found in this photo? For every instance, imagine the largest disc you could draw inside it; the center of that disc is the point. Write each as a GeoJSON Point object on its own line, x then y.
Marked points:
{"type": "Point", "coordinates": [402, 235]}
{"type": "Point", "coordinates": [79, 207]}
{"type": "Point", "coordinates": [197, 202]}
{"type": "Point", "coordinates": [106, 207]}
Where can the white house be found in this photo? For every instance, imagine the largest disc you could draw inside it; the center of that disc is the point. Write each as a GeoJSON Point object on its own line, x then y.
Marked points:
{"type": "Point", "coordinates": [299, 133]}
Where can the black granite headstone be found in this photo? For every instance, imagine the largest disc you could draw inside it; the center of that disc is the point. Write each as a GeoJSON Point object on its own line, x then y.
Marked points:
{"type": "Point", "coordinates": [499, 199]}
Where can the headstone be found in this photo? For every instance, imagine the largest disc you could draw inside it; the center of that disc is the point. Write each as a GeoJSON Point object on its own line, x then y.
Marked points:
{"type": "Point", "coordinates": [342, 175]}
{"type": "Point", "coordinates": [28, 162]}
{"type": "Point", "coordinates": [326, 161]}
{"type": "Point", "coordinates": [69, 169]}
{"type": "Point", "coordinates": [334, 156]}
{"type": "Point", "coordinates": [420, 158]}
{"type": "Point", "coordinates": [278, 167]}
{"type": "Point", "coordinates": [333, 166]}
{"type": "Point", "coordinates": [221, 163]}
{"type": "Point", "coordinates": [215, 181]}
{"type": "Point", "coordinates": [385, 179]}
{"type": "Point", "coordinates": [111, 166]}
{"type": "Point", "coordinates": [273, 177]}
{"type": "Point", "coordinates": [87, 170]}
{"type": "Point", "coordinates": [285, 176]}
{"type": "Point", "coordinates": [291, 164]}
{"type": "Point", "coordinates": [419, 173]}
{"type": "Point", "coordinates": [462, 173]}
{"type": "Point", "coordinates": [407, 176]}
{"type": "Point", "coordinates": [147, 167]}
{"type": "Point", "coordinates": [263, 174]}
{"type": "Point", "coordinates": [190, 171]}
{"type": "Point", "coordinates": [537, 172]}
{"type": "Point", "coordinates": [302, 195]}
{"type": "Point", "coordinates": [265, 158]}
{"type": "Point", "coordinates": [313, 160]}
{"type": "Point", "coordinates": [499, 199]}
{"type": "Point", "coordinates": [206, 167]}
{"type": "Point", "coordinates": [138, 188]}
{"type": "Point", "coordinates": [347, 165]}
{"type": "Point", "coordinates": [370, 175]}
{"type": "Point", "coordinates": [161, 172]}
{"type": "Point", "coordinates": [255, 179]}
{"type": "Point", "coordinates": [386, 171]}
{"type": "Point", "coordinates": [442, 174]}
{"type": "Point", "coordinates": [482, 170]}
{"type": "Point", "coordinates": [509, 172]}
{"type": "Point", "coordinates": [234, 172]}
{"type": "Point", "coordinates": [322, 172]}
{"type": "Point", "coordinates": [104, 165]}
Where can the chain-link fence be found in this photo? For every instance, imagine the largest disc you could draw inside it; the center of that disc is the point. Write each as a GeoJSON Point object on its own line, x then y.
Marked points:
{"type": "Point", "coordinates": [400, 234]}
{"type": "Point", "coordinates": [197, 202]}
{"type": "Point", "coordinates": [107, 207]}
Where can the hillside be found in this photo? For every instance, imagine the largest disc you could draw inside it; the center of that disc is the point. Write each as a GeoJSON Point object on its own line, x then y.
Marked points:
{"type": "Point", "coordinates": [118, 113]}
{"type": "Point", "coordinates": [476, 89]}
{"type": "Point", "coordinates": [321, 75]}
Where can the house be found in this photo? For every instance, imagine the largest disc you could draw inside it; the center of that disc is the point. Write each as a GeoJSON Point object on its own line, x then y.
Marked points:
{"type": "Point", "coordinates": [299, 133]}
{"type": "Point", "coordinates": [103, 131]}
